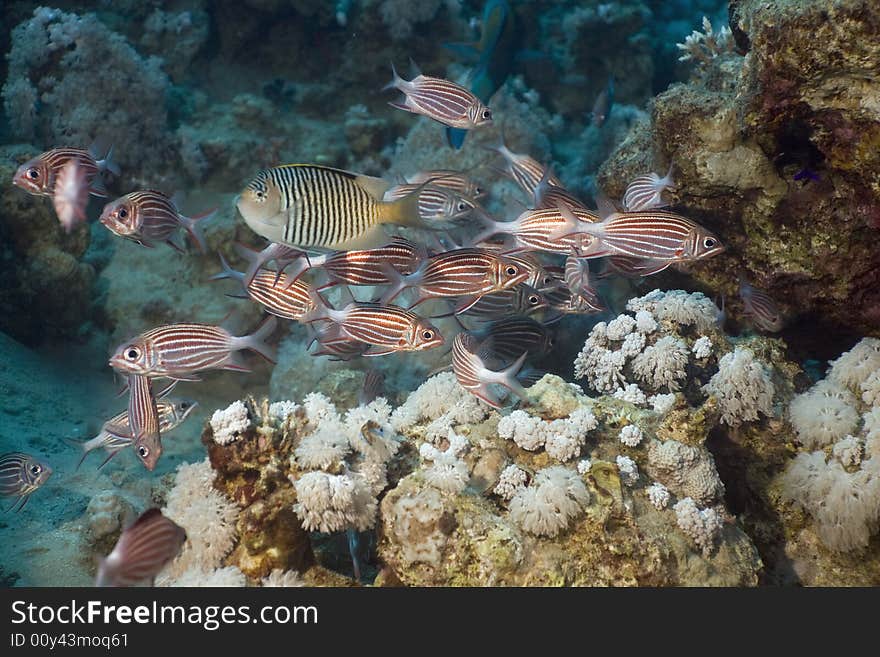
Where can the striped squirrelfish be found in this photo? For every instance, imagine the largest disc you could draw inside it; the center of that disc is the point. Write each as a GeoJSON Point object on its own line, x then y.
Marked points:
{"type": "Point", "coordinates": [761, 308]}
{"type": "Point", "coordinates": [467, 273]}
{"type": "Point", "coordinates": [149, 216]}
{"type": "Point", "coordinates": [577, 279]}
{"type": "Point", "coordinates": [365, 266]}
{"type": "Point", "coordinates": [274, 291]}
{"type": "Point", "coordinates": [374, 385]}
{"type": "Point", "coordinates": [143, 416]}
{"type": "Point", "coordinates": [540, 230]}
{"type": "Point", "coordinates": [179, 351]}
{"type": "Point", "coordinates": [143, 549]}
{"type": "Point", "coordinates": [510, 337]}
{"type": "Point", "coordinates": [115, 434]}
{"type": "Point", "coordinates": [523, 169]}
{"type": "Point", "coordinates": [521, 299]}
{"type": "Point", "coordinates": [649, 234]}
{"type": "Point", "coordinates": [457, 181]}
{"type": "Point", "coordinates": [439, 207]}
{"type": "Point", "coordinates": [646, 192]}
{"type": "Point", "coordinates": [71, 195]}
{"type": "Point", "coordinates": [441, 100]}
{"type": "Point", "coordinates": [20, 475]}
{"type": "Point", "coordinates": [310, 206]}
{"type": "Point", "coordinates": [387, 329]}
{"type": "Point", "coordinates": [469, 358]}
{"type": "Point", "coordinates": [39, 175]}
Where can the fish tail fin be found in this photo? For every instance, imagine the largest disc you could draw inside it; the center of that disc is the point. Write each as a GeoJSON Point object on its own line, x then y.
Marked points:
{"type": "Point", "coordinates": [396, 80]}
{"type": "Point", "coordinates": [507, 377]}
{"type": "Point", "coordinates": [492, 227]}
{"type": "Point", "coordinates": [321, 310]}
{"type": "Point", "coordinates": [397, 282]}
{"type": "Point", "coordinates": [80, 445]}
{"type": "Point", "coordinates": [297, 268]}
{"type": "Point", "coordinates": [107, 163]}
{"type": "Point", "coordinates": [228, 271]}
{"type": "Point", "coordinates": [195, 227]}
{"type": "Point", "coordinates": [455, 137]}
{"type": "Point", "coordinates": [258, 340]}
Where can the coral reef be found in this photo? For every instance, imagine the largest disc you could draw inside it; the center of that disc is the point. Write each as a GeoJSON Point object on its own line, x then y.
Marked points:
{"type": "Point", "coordinates": [764, 146]}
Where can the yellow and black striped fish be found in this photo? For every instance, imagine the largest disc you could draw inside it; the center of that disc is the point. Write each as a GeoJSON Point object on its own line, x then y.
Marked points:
{"type": "Point", "coordinates": [310, 206]}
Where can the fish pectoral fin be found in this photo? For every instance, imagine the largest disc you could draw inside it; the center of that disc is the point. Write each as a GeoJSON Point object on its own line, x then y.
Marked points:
{"type": "Point", "coordinates": [400, 106]}
{"type": "Point", "coordinates": [377, 350]}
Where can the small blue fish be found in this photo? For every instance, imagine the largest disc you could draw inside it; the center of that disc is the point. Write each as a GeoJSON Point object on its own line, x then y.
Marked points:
{"type": "Point", "coordinates": [20, 475]}
{"type": "Point", "coordinates": [807, 176]}
{"type": "Point", "coordinates": [604, 103]}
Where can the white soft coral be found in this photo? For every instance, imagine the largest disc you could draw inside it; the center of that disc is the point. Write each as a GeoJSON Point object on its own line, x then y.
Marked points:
{"type": "Point", "coordinates": [742, 387]}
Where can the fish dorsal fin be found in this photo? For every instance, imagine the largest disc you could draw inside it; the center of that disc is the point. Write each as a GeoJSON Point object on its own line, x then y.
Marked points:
{"type": "Point", "coordinates": [414, 69]}
{"type": "Point", "coordinates": [605, 206]}
{"type": "Point", "coordinates": [375, 187]}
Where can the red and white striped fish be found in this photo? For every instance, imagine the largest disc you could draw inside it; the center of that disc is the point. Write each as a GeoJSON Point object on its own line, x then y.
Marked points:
{"type": "Point", "coordinates": [20, 475]}
{"type": "Point", "coordinates": [179, 351]}
{"type": "Point", "coordinates": [651, 234]}
{"type": "Point", "coordinates": [523, 169]}
{"type": "Point", "coordinates": [374, 385]}
{"type": "Point", "coordinates": [469, 358]}
{"type": "Point", "coordinates": [363, 267]}
{"type": "Point", "coordinates": [441, 100]}
{"type": "Point", "coordinates": [71, 195]}
{"type": "Point", "coordinates": [542, 230]}
{"type": "Point", "coordinates": [143, 416]}
{"type": "Point", "coordinates": [577, 279]}
{"type": "Point", "coordinates": [39, 175]}
{"type": "Point", "coordinates": [387, 329]}
{"type": "Point", "coordinates": [115, 434]}
{"type": "Point", "coordinates": [646, 192]}
{"type": "Point", "coordinates": [760, 308]}
{"type": "Point", "coordinates": [521, 299]}
{"type": "Point", "coordinates": [439, 207]}
{"type": "Point", "coordinates": [149, 216]}
{"type": "Point", "coordinates": [510, 337]}
{"type": "Point", "coordinates": [142, 551]}
{"type": "Point", "coordinates": [274, 291]}
{"type": "Point", "coordinates": [457, 181]}
{"type": "Point", "coordinates": [467, 273]}
{"type": "Point", "coordinates": [562, 302]}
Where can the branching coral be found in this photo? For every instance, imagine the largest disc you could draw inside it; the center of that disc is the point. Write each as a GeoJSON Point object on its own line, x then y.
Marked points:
{"type": "Point", "coordinates": [561, 438]}
{"type": "Point", "coordinates": [229, 423]}
{"type": "Point", "coordinates": [703, 47]}
{"type": "Point", "coordinates": [702, 525]}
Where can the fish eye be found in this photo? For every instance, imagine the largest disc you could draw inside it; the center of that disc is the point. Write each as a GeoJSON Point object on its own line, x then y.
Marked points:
{"type": "Point", "coordinates": [487, 114]}
{"type": "Point", "coordinates": [36, 469]}
{"type": "Point", "coordinates": [462, 206]}
{"type": "Point", "coordinates": [478, 190]}
{"type": "Point", "coordinates": [33, 173]}
{"type": "Point", "coordinates": [123, 213]}
{"type": "Point", "coordinates": [709, 242]}
{"type": "Point", "coordinates": [132, 353]}
{"type": "Point", "coordinates": [427, 335]}
{"type": "Point", "coordinates": [533, 299]}
{"type": "Point", "coordinates": [184, 405]}
{"type": "Point", "coordinates": [143, 451]}
{"type": "Point", "coordinates": [510, 270]}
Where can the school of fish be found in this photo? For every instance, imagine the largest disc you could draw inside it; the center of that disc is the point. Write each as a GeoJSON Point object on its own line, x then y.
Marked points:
{"type": "Point", "coordinates": [505, 282]}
